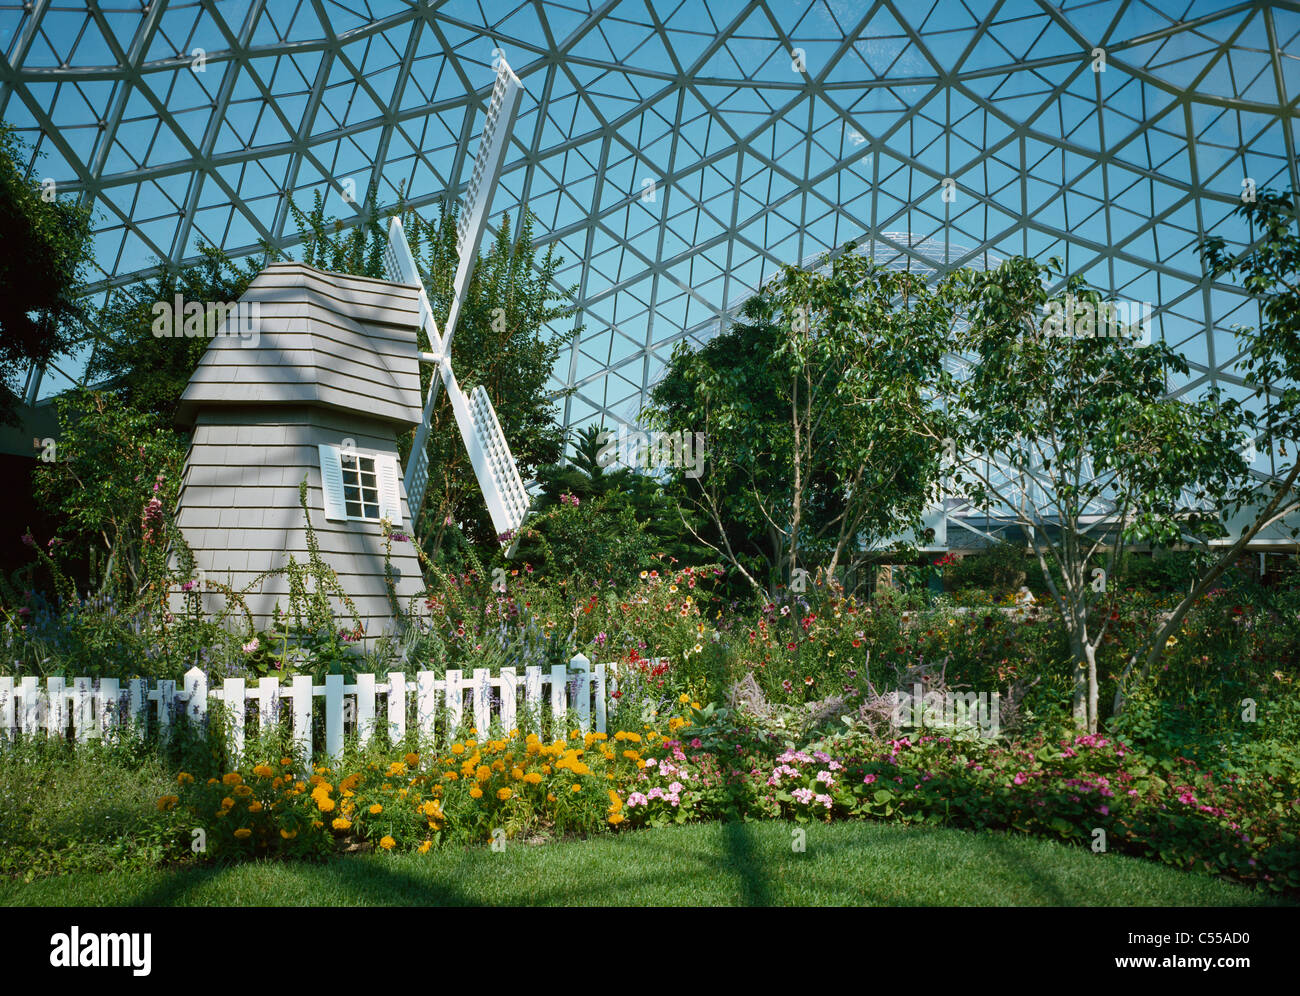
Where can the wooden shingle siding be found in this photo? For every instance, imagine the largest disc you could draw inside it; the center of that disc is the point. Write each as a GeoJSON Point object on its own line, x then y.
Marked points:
{"type": "Point", "coordinates": [326, 340]}
{"type": "Point", "coordinates": [335, 361]}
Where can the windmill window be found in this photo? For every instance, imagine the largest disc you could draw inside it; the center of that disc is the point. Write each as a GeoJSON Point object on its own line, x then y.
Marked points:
{"type": "Point", "coordinates": [360, 487]}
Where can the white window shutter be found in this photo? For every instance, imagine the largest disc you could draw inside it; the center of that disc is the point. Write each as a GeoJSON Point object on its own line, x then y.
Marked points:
{"type": "Point", "coordinates": [390, 495]}
{"type": "Point", "coordinates": [331, 479]}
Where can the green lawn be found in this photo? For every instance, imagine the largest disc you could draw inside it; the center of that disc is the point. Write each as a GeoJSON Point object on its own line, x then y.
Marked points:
{"type": "Point", "coordinates": [710, 864]}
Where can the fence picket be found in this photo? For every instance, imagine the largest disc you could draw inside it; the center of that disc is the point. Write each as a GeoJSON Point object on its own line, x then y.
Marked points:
{"type": "Point", "coordinates": [8, 714]}
{"type": "Point", "coordinates": [268, 705]}
{"type": "Point", "coordinates": [136, 706]}
{"type": "Point", "coordinates": [365, 707]}
{"type": "Point", "coordinates": [482, 702]}
{"type": "Point", "coordinates": [508, 685]}
{"type": "Point", "coordinates": [166, 708]}
{"type": "Point", "coordinates": [56, 720]}
{"type": "Point", "coordinates": [82, 722]}
{"type": "Point", "coordinates": [559, 700]}
{"type": "Point", "coordinates": [302, 715]}
{"type": "Point", "coordinates": [31, 707]}
{"type": "Point", "coordinates": [396, 706]}
{"type": "Point", "coordinates": [91, 709]}
{"type": "Point", "coordinates": [533, 696]}
{"type": "Point", "coordinates": [333, 716]}
{"type": "Point", "coordinates": [110, 705]}
{"type": "Point", "coordinates": [196, 691]}
{"type": "Point", "coordinates": [427, 704]}
{"type": "Point", "coordinates": [602, 702]}
{"type": "Point", "coordinates": [582, 689]}
{"type": "Point", "coordinates": [233, 694]}
{"type": "Point", "coordinates": [455, 703]}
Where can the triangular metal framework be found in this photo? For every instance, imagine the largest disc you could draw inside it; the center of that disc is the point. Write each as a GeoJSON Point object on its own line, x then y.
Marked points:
{"type": "Point", "coordinates": [676, 152]}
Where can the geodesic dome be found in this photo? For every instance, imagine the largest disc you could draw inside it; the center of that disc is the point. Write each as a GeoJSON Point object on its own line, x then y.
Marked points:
{"type": "Point", "coordinates": [677, 152]}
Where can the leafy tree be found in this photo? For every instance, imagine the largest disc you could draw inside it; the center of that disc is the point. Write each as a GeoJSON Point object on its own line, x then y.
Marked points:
{"type": "Point", "coordinates": [117, 476]}
{"type": "Point", "coordinates": [1269, 268]}
{"type": "Point", "coordinates": [500, 342]}
{"type": "Point", "coordinates": [1073, 436]}
{"type": "Point", "coordinates": [149, 373]}
{"type": "Point", "coordinates": [810, 406]}
{"type": "Point", "coordinates": [47, 244]}
{"type": "Point", "coordinates": [599, 521]}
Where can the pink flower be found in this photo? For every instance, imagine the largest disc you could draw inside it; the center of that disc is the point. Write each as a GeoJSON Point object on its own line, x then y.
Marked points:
{"type": "Point", "coordinates": [868, 779]}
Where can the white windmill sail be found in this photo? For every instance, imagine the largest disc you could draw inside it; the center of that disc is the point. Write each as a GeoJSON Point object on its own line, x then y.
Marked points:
{"type": "Point", "coordinates": [489, 454]}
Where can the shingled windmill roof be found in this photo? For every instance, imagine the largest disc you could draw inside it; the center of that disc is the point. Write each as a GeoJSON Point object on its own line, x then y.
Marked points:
{"type": "Point", "coordinates": [324, 339]}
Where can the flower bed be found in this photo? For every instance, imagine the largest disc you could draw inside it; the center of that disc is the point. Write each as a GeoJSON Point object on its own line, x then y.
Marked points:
{"type": "Point", "coordinates": [1088, 790]}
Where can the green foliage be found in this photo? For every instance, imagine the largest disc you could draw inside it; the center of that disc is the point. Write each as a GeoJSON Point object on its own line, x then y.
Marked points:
{"type": "Point", "coordinates": [117, 474]}
{"type": "Point", "coordinates": [810, 405]}
{"type": "Point", "coordinates": [146, 372]}
{"type": "Point", "coordinates": [1089, 421]}
{"type": "Point", "coordinates": [47, 245]}
{"type": "Point", "coordinates": [594, 522]}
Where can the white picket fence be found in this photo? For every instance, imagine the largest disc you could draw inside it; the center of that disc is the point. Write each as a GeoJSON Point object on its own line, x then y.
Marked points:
{"type": "Point", "coordinates": [86, 709]}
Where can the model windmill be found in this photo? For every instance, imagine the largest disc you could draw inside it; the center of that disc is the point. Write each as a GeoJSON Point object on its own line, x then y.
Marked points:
{"type": "Point", "coordinates": [494, 466]}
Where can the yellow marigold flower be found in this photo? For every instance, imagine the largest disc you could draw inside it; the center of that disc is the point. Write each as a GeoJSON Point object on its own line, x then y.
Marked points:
{"type": "Point", "coordinates": [264, 771]}
{"type": "Point", "coordinates": [516, 772]}
{"type": "Point", "coordinates": [277, 782]}
{"type": "Point", "coordinates": [325, 804]}
{"type": "Point", "coordinates": [615, 819]}
{"type": "Point", "coordinates": [533, 778]}
{"type": "Point", "coordinates": [575, 787]}
{"type": "Point", "coordinates": [243, 791]}
{"type": "Point", "coordinates": [376, 809]}
{"type": "Point", "coordinates": [574, 734]}
{"type": "Point", "coordinates": [231, 778]}
{"type": "Point", "coordinates": [683, 698]}
{"type": "Point", "coordinates": [228, 803]}
{"type": "Point", "coordinates": [458, 749]}
{"type": "Point", "coordinates": [212, 781]}
{"type": "Point", "coordinates": [299, 786]}
{"type": "Point", "coordinates": [431, 808]}
{"type": "Point", "coordinates": [322, 770]}
{"type": "Point", "coordinates": [498, 765]}
{"type": "Point", "coordinates": [286, 761]}
{"type": "Point", "coordinates": [615, 803]}
{"type": "Point", "coordinates": [451, 776]}
{"type": "Point", "coordinates": [395, 769]}
{"type": "Point", "coordinates": [424, 848]}
{"type": "Point", "coordinates": [695, 705]}
{"type": "Point", "coordinates": [184, 778]}
{"type": "Point", "coordinates": [412, 759]}
{"type": "Point", "coordinates": [243, 833]}
{"type": "Point", "coordinates": [634, 737]}
{"type": "Point", "coordinates": [503, 794]}
{"type": "Point", "coordinates": [342, 823]}
{"type": "Point", "coordinates": [546, 769]}
{"type": "Point", "coordinates": [317, 824]}
{"type": "Point", "coordinates": [631, 755]}
{"type": "Point", "coordinates": [476, 793]}
{"type": "Point", "coordinates": [254, 806]}
{"type": "Point", "coordinates": [620, 735]}
{"type": "Point", "coordinates": [167, 802]}
{"type": "Point", "coordinates": [347, 808]}
{"type": "Point", "coordinates": [482, 773]}
{"type": "Point", "coordinates": [550, 796]}
{"type": "Point", "coordinates": [288, 834]}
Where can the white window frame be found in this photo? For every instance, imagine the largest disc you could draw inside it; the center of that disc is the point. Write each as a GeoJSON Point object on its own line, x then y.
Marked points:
{"type": "Point", "coordinates": [334, 496]}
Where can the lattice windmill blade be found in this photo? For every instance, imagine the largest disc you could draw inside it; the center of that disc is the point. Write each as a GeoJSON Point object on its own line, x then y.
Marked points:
{"type": "Point", "coordinates": [494, 466]}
